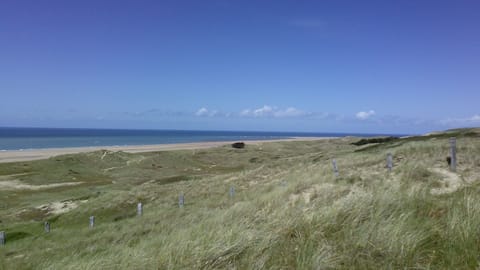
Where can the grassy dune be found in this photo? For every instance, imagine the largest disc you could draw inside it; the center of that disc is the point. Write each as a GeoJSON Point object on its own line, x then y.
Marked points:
{"type": "Point", "coordinates": [289, 210]}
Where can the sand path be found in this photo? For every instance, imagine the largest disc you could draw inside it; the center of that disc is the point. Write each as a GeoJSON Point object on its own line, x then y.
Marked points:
{"type": "Point", "coordinates": [17, 185]}
{"type": "Point", "coordinates": [451, 182]}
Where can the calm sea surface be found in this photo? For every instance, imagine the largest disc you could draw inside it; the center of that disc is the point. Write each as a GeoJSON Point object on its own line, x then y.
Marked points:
{"type": "Point", "coordinates": [35, 138]}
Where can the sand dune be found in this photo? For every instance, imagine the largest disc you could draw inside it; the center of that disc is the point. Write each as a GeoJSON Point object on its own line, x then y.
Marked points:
{"type": "Point", "coordinates": [34, 154]}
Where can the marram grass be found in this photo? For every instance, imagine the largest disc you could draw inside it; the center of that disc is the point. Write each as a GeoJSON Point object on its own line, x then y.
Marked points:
{"type": "Point", "coordinates": [289, 210]}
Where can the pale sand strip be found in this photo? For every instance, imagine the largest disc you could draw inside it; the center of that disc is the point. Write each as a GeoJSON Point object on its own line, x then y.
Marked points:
{"type": "Point", "coordinates": [34, 154]}
{"type": "Point", "coordinates": [17, 184]}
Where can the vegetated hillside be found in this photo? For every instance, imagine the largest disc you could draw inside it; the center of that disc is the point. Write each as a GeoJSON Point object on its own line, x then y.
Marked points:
{"type": "Point", "coordinates": [289, 211]}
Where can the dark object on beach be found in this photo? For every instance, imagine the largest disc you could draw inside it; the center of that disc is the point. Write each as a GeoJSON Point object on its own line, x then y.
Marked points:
{"type": "Point", "coordinates": [238, 145]}
{"type": "Point", "coordinates": [375, 140]}
{"type": "Point", "coordinates": [449, 160]}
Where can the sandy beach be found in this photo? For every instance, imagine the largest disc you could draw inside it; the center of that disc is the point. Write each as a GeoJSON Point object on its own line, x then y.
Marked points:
{"type": "Point", "coordinates": [34, 154]}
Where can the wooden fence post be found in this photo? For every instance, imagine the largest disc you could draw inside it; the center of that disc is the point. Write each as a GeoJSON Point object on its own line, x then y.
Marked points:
{"type": "Point", "coordinates": [389, 162]}
{"type": "Point", "coordinates": [181, 200]}
{"type": "Point", "coordinates": [335, 169]}
{"type": "Point", "coordinates": [3, 238]}
{"type": "Point", "coordinates": [453, 154]}
{"type": "Point", "coordinates": [92, 221]}
{"type": "Point", "coordinates": [139, 209]}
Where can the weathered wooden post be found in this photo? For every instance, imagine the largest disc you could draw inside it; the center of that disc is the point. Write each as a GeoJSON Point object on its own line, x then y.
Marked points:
{"type": "Point", "coordinates": [3, 238]}
{"type": "Point", "coordinates": [453, 154]}
{"type": "Point", "coordinates": [181, 200]}
{"type": "Point", "coordinates": [232, 192]}
{"type": "Point", "coordinates": [92, 221]}
{"type": "Point", "coordinates": [389, 162]}
{"type": "Point", "coordinates": [139, 209]}
{"type": "Point", "coordinates": [47, 227]}
{"type": "Point", "coordinates": [335, 169]}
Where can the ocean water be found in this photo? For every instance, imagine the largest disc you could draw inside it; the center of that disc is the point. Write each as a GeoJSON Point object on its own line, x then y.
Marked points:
{"type": "Point", "coordinates": [37, 138]}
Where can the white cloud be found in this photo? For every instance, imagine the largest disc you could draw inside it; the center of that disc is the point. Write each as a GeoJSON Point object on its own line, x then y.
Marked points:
{"type": "Point", "coordinates": [272, 111]}
{"type": "Point", "coordinates": [264, 111]}
{"type": "Point", "coordinates": [365, 115]}
{"type": "Point", "coordinates": [205, 112]}
{"type": "Point", "coordinates": [202, 112]}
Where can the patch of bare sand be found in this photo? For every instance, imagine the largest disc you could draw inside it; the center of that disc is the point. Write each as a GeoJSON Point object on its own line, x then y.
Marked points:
{"type": "Point", "coordinates": [451, 182]}
{"type": "Point", "coordinates": [17, 184]}
{"type": "Point", "coordinates": [60, 207]}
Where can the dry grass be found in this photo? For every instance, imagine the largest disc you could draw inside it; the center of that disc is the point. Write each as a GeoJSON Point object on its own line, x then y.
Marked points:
{"type": "Point", "coordinates": [289, 210]}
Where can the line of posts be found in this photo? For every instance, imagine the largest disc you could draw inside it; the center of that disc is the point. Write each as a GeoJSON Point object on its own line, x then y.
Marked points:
{"type": "Point", "coordinates": [181, 198]}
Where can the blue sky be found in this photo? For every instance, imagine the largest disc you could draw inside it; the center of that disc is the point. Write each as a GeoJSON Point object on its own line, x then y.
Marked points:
{"type": "Point", "coordinates": [321, 66]}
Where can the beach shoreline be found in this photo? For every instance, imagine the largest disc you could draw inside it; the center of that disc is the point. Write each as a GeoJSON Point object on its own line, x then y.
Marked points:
{"type": "Point", "coordinates": [37, 154]}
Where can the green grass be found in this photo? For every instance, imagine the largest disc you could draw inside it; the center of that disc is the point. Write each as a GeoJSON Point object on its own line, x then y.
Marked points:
{"type": "Point", "coordinates": [289, 210]}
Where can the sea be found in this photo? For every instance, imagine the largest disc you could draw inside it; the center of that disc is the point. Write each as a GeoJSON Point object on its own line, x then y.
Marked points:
{"type": "Point", "coordinates": [23, 138]}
